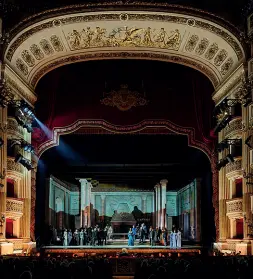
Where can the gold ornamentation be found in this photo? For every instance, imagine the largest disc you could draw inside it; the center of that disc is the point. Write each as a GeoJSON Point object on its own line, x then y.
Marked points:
{"type": "Point", "coordinates": [234, 127]}
{"type": "Point", "coordinates": [22, 67]}
{"type": "Point", "coordinates": [227, 66]}
{"type": "Point", "coordinates": [211, 52]}
{"type": "Point", "coordinates": [17, 244]}
{"type": "Point", "coordinates": [234, 206]}
{"type": "Point", "coordinates": [13, 166]}
{"type": "Point", "coordinates": [131, 16]}
{"type": "Point", "coordinates": [27, 95]}
{"type": "Point", "coordinates": [124, 36]}
{"type": "Point", "coordinates": [14, 128]}
{"type": "Point", "coordinates": [124, 99]}
{"type": "Point", "coordinates": [202, 46]}
{"type": "Point", "coordinates": [56, 42]}
{"type": "Point", "coordinates": [37, 52]}
{"type": "Point", "coordinates": [27, 57]}
{"type": "Point", "coordinates": [46, 47]}
{"type": "Point", "coordinates": [106, 55]}
{"type": "Point", "coordinates": [192, 42]}
{"type": "Point", "coordinates": [14, 205]}
{"type": "Point", "coordinates": [220, 57]}
{"type": "Point", "coordinates": [235, 166]}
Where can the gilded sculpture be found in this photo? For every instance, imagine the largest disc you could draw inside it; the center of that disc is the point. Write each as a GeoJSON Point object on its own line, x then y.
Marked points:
{"type": "Point", "coordinates": [124, 99]}
{"type": "Point", "coordinates": [123, 37]}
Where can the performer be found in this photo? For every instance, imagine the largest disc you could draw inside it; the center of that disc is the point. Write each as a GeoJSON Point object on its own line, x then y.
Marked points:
{"type": "Point", "coordinates": [130, 238]}
{"type": "Point", "coordinates": [81, 236]}
{"type": "Point", "coordinates": [174, 240]}
{"type": "Point", "coordinates": [152, 236]}
{"type": "Point", "coordinates": [76, 237]}
{"type": "Point", "coordinates": [65, 238]}
{"type": "Point", "coordinates": [134, 231]}
{"type": "Point", "coordinates": [179, 239]}
{"type": "Point", "coordinates": [165, 236]}
{"type": "Point", "coordinates": [109, 233]}
{"type": "Point", "coordinates": [69, 237]}
{"type": "Point", "coordinates": [171, 239]}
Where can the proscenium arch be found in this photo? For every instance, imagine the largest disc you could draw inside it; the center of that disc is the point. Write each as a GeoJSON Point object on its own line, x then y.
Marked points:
{"type": "Point", "coordinates": [146, 126]}
{"type": "Point", "coordinates": [106, 31]}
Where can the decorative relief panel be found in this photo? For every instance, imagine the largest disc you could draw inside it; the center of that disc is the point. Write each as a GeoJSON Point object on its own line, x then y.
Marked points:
{"type": "Point", "coordinates": [211, 51]}
{"type": "Point", "coordinates": [17, 244]}
{"type": "Point", "coordinates": [227, 66]}
{"type": "Point", "coordinates": [202, 46]}
{"type": "Point", "coordinates": [124, 36]}
{"type": "Point", "coordinates": [22, 67]}
{"type": "Point", "coordinates": [13, 129]}
{"type": "Point", "coordinates": [28, 58]}
{"type": "Point", "coordinates": [235, 166]}
{"type": "Point", "coordinates": [36, 51]}
{"type": "Point", "coordinates": [220, 57]}
{"type": "Point", "coordinates": [13, 166]}
{"type": "Point", "coordinates": [191, 44]}
{"type": "Point", "coordinates": [47, 48]}
{"type": "Point", "coordinates": [234, 206]}
{"type": "Point", "coordinates": [56, 43]}
{"type": "Point", "coordinates": [14, 208]}
{"type": "Point", "coordinates": [234, 128]}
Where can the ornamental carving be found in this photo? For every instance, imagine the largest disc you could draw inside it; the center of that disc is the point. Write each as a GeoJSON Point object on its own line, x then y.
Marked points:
{"type": "Point", "coordinates": [235, 166]}
{"type": "Point", "coordinates": [36, 51]}
{"type": "Point", "coordinates": [47, 48]}
{"type": "Point", "coordinates": [28, 58]}
{"type": "Point", "coordinates": [191, 44]}
{"type": "Point", "coordinates": [17, 244]}
{"type": "Point", "coordinates": [122, 217]}
{"type": "Point", "coordinates": [22, 67]}
{"type": "Point", "coordinates": [234, 206]}
{"type": "Point", "coordinates": [14, 208]}
{"type": "Point", "coordinates": [211, 51]}
{"type": "Point", "coordinates": [13, 128]}
{"type": "Point", "coordinates": [123, 37]}
{"type": "Point", "coordinates": [124, 99]}
{"type": "Point", "coordinates": [234, 127]}
{"type": "Point", "coordinates": [220, 57]}
{"type": "Point", "coordinates": [13, 166]}
{"type": "Point", "coordinates": [202, 46]}
{"type": "Point", "coordinates": [227, 66]}
{"type": "Point", "coordinates": [56, 43]}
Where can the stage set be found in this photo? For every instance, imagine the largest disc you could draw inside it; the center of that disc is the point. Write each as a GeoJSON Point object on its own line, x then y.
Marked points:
{"type": "Point", "coordinates": [114, 210]}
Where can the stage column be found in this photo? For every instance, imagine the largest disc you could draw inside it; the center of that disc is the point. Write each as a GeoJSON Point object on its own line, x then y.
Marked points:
{"type": "Point", "coordinates": [154, 209]}
{"type": "Point", "coordinates": [85, 203]}
{"type": "Point", "coordinates": [103, 207]}
{"type": "Point", "coordinates": [158, 205]}
{"type": "Point", "coordinates": [144, 204]}
{"type": "Point", "coordinates": [163, 183]}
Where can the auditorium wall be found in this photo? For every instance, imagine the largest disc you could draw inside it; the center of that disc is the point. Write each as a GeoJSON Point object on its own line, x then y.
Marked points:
{"type": "Point", "coordinates": [63, 203]}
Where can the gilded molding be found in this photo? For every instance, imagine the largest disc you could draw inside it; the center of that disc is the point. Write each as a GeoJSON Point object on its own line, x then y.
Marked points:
{"type": "Point", "coordinates": [13, 166]}
{"type": "Point", "coordinates": [234, 129]}
{"type": "Point", "coordinates": [14, 208]}
{"type": "Point", "coordinates": [13, 129]}
{"type": "Point", "coordinates": [126, 55]}
{"type": "Point", "coordinates": [234, 169]}
{"type": "Point", "coordinates": [130, 16]}
{"type": "Point", "coordinates": [234, 208]}
{"type": "Point", "coordinates": [14, 86]}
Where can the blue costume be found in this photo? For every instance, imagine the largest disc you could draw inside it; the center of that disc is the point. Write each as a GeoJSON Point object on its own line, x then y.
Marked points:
{"type": "Point", "coordinates": [130, 239]}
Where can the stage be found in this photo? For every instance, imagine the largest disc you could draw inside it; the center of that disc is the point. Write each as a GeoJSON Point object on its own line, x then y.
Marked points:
{"type": "Point", "coordinates": [115, 249]}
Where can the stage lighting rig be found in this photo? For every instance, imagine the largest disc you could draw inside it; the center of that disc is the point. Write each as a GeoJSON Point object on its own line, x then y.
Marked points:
{"type": "Point", "coordinates": [24, 115]}
{"type": "Point", "coordinates": [223, 162]}
{"type": "Point", "coordinates": [23, 144]}
{"type": "Point", "coordinates": [226, 143]}
{"type": "Point", "coordinates": [23, 161]}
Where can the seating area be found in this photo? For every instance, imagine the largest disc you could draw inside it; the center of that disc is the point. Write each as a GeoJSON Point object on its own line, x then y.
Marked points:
{"type": "Point", "coordinates": [140, 268]}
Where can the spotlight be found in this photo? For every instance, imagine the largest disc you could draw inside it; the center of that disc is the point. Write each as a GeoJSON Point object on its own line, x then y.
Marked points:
{"type": "Point", "coordinates": [27, 147]}
{"type": "Point", "coordinates": [1, 142]}
{"type": "Point", "coordinates": [223, 162]}
{"type": "Point", "coordinates": [248, 141]}
{"type": "Point", "coordinates": [23, 161]}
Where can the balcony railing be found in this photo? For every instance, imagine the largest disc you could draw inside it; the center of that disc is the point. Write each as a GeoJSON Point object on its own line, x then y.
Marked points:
{"type": "Point", "coordinates": [235, 167]}
{"type": "Point", "coordinates": [234, 208]}
{"type": "Point", "coordinates": [234, 128]}
{"type": "Point", "coordinates": [14, 208]}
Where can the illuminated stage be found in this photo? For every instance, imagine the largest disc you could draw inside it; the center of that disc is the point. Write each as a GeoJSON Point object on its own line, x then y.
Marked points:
{"type": "Point", "coordinates": [113, 250]}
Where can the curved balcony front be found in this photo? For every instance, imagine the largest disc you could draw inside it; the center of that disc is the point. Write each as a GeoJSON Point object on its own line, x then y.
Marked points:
{"type": "Point", "coordinates": [234, 129]}
{"type": "Point", "coordinates": [234, 208]}
{"type": "Point", "coordinates": [14, 208]}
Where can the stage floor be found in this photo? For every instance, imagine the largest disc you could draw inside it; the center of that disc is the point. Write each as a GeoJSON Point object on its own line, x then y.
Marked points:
{"type": "Point", "coordinates": [116, 248]}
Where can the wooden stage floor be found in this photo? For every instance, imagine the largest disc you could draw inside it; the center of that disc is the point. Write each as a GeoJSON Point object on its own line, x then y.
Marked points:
{"type": "Point", "coordinates": [115, 249]}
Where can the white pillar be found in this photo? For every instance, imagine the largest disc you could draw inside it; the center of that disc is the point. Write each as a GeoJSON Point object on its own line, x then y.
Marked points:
{"type": "Point", "coordinates": [158, 186]}
{"type": "Point", "coordinates": [85, 202]}
{"type": "Point", "coordinates": [163, 202]}
{"type": "Point", "coordinates": [144, 204]}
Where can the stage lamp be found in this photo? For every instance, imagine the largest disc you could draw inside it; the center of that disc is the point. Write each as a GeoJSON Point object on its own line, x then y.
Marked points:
{"type": "Point", "coordinates": [27, 147]}
{"type": "Point", "coordinates": [248, 141]}
{"type": "Point", "coordinates": [1, 142]}
{"type": "Point", "coordinates": [223, 162]}
{"type": "Point", "coordinates": [23, 161]}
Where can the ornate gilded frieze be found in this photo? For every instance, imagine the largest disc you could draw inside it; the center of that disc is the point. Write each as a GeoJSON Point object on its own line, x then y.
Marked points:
{"type": "Point", "coordinates": [14, 208]}
{"type": "Point", "coordinates": [234, 129]}
{"type": "Point", "coordinates": [118, 30]}
{"type": "Point", "coordinates": [17, 244]}
{"type": "Point", "coordinates": [234, 208]}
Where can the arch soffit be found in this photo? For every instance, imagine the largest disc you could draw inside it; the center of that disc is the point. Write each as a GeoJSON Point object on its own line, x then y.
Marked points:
{"type": "Point", "coordinates": [174, 37]}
